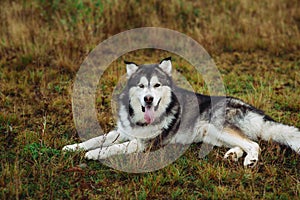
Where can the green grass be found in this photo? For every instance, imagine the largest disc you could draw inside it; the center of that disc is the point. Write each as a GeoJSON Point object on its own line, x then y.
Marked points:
{"type": "Point", "coordinates": [42, 46]}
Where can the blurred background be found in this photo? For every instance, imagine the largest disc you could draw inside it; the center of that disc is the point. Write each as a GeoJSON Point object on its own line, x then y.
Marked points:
{"type": "Point", "coordinates": [61, 32]}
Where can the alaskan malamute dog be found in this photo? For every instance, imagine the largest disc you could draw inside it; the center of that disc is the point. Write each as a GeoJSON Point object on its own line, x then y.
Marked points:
{"type": "Point", "coordinates": [154, 112]}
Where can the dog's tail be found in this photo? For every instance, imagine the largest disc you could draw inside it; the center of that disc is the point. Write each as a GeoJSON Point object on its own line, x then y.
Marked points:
{"type": "Point", "coordinates": [256, 124]}
{"type": "Point", "coordinates": [259, 125]}
{"type": "Point", "coordinates": [284, 134]}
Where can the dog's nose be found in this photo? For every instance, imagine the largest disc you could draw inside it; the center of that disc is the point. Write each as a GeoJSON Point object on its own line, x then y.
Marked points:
{"type": "Point", "coordinates": [148, 99]}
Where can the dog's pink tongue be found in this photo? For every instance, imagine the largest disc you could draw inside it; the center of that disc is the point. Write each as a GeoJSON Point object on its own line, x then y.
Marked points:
{"type": "Point", "coordinates": [149, 114]}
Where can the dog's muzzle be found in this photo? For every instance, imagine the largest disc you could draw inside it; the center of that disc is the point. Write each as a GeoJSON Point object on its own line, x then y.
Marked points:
{"type": "Point", "coordinates": [149, 109]}
{"type": "Point", "coordinates": [149, 105]}
{"type": "Point", "coordinates": [148, 99]}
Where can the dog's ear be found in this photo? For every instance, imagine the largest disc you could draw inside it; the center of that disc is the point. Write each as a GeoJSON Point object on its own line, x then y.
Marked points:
{"type": "Point", "coordinates": [166, 65]}
{"type": "Point", "coordinates": [131, 67]}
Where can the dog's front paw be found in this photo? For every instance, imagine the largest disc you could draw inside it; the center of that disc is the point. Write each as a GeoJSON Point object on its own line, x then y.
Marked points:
{"type": "Point", "coordinates": [90, 156]}
{"type": "Point", "coordinates": [97, 154]}
{"type": "Point", "coordinates": [94, 155]}
{"type": "Point", "coordinates": [234, 154]}
{"type": "Point", "coordinates": [72, 147]}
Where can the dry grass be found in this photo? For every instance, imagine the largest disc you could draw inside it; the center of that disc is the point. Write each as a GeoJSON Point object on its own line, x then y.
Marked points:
{"type": "Point", "coordinates": [42, 43]}
{"type": "Point", "coordinates": [61, 32]}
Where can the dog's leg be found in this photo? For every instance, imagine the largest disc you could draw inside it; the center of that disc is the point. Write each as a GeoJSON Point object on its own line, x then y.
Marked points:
{"type": "Point", "coordinates": [116, 149]}
{"type": "Point", "coordinates": [101, 141]}
{"type": "Point", "coordinates": [232, 136]}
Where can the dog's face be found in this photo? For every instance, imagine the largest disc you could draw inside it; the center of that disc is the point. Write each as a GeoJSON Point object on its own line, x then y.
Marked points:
{"type": "Point", "coordinates": [150, 89]}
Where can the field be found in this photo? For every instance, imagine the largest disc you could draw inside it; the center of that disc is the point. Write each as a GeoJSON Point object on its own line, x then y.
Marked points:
{"type": "Point", "coordinates": [255, 45]}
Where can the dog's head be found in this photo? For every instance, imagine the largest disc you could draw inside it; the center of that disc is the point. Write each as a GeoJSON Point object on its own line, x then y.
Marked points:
{"type": "Point", "coordinates": [149, 90]}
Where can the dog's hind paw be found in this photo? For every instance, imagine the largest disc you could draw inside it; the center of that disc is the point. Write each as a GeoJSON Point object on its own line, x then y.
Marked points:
{"type": "Point", "coordinates": [250, 160]}
{"type": "Point", "coordinates": [234, 154]}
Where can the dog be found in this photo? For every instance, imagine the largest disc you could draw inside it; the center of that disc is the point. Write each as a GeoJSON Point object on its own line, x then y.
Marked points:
{"type": "Point", "coordinates": [154, 112]}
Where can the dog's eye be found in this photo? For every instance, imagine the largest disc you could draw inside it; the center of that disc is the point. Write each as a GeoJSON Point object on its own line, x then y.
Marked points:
{"type": "Point", "coordinates": [141, 86]}
{"type": "Point", "coordinates": [157, 85]}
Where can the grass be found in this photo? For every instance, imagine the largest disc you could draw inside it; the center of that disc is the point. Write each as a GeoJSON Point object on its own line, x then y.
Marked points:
{"type": "Point", "coordinates": [42, 43]}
